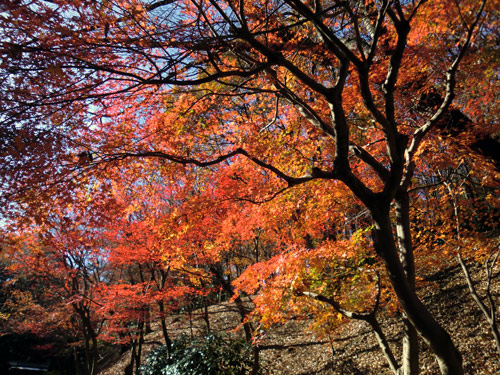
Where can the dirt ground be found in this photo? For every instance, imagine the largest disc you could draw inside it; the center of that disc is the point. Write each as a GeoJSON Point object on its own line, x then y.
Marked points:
{"type": "Point", "coordinates": [291, 349]}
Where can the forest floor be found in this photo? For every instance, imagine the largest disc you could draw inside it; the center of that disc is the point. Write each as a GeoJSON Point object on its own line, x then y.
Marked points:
{"type": "Point", "coordinates": [291, 349]}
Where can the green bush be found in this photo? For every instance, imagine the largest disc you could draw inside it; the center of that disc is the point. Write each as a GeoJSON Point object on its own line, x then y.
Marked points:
{"type": "Point", "coordinates": [209, 355]}
{"type": "Point", "coordinates": [156, 361]}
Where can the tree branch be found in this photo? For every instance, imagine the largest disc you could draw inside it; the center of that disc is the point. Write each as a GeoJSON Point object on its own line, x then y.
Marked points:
{"type": "Point", "coordinates": [420, 133]}
{"type": "Point", "coordinates": [368, 317]}
{"type": "Point", "coordinates": [316, 173]}
{"type": "Point", "coordinates": [368, 158]}
{"type": "Point", "coordinates": [490, 314]}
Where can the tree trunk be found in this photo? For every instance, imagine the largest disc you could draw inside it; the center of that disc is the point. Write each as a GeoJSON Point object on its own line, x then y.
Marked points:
{"type": "Point", "coordinates": [190, 317]}
{"type": "Point", "coordinates": [87, 355]}
{"type": "Point", "coordinates": [91, 352]}
{"type": "Point", "coordinates": [226, 286]}
{"type": "Point", "coordinates": [139, 351]}
{"type": "Point", "coordinates": [164, 330]}
{"type": "Point", "coordinates": [410, 355]}
{"type": "Point", "coordinates": [383, 343]}
{"type": "Point", "coordinates": [247, 327]}
{"type": "Point", "coordinates": [206, 317]}
{"type": "Point", "coordinates": [148, 322]}
{"type": "Point", "coordinates": [76, 361]}
{"type": "Point", "coordinates": [432, 333]}
{"type": "Point", "coordinates": [94, 354]}
{"type": "Point", "coordinates": [129, 369]}
{"type": "Point", "coordinates": [489, 313]}
{"type": "Point", "coordinates": [256, 363]}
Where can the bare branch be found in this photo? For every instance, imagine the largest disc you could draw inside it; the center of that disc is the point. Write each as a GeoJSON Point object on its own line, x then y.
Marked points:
{"type": "Point", "coordinates": [304, 109]}
{"type": "Point", "coordinates": [158, 4]}
{"type": "Point", "coordinates": [275, 117]}
{"type": "Point", "coordinates": [368, 158]}
{"type": "Point", "coordinates": [316, 173]}
{"type": "Point", "coordinates": [490, 314]}
{"type": "Point", "coordinates": [378, 31]}
{"type": "Point", "coordinates": [368, 317]}
{"type": "Point", "coordinates": [332, 41]}
{"type": "Point", "coordinates": [449, 96]}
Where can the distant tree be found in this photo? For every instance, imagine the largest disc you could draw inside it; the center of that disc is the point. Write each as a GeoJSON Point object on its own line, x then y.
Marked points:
{"type": "Point", "coordinates": [55, 275]}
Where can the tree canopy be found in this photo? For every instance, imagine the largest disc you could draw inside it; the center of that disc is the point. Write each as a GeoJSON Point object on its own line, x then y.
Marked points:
{"type": "Point", "coordinates": [319, 152]}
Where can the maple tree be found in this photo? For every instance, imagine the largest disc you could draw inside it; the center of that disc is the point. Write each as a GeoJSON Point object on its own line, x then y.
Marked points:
{"type": "Point", "coordinates": [327, 110]}
{"type": "Point", "coordinates": [56, 272]}
{"type": "Point", "coordinates": [146, 285]}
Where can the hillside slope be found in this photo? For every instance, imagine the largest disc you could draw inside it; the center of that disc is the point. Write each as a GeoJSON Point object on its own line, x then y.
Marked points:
{"type": "Point", "coordinates": [292, 350]}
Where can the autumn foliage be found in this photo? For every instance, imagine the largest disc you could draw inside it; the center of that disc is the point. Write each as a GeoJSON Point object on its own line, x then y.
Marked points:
{"type": "Point", "coordinates": [316, 155]}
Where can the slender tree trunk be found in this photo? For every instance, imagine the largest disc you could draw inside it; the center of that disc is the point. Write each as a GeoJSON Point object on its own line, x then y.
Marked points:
{"type": "Point", "coordinates": [148, 322]}
{"type": "Point", "coordinates": [91, 349]}
{"type": "Point", "coordinates": [87, 355]}
{"type": "Point", "coordinates": [138, 352]}
{"type": "Point", "coordinates": [135, 353]}
{"type": "Point", "coordinates": [496, 335]}
{"type": "Point", "coordinates": [161, 305]}
{"type": "Point", "coordinates": [227, 287]}
{"type": "Point", "coordinates": [190, 317]}
{"type": "Point", "coordinates": [94, 354]}
{"type": "Point", "coordinates": [431, 332]}
{"type": "Point", "coordinates": [489, 313]}
{"type": "Point", "coordinates": [383, 343]}
{"type": "Point", "coordinates": [256, 362]}
{"type": "Point", "coordinates": [370, 318]}
{"type": "Point", "coordinates": [164, 329]}
{"type": "Point", "coordinates": [129, 369]}
{"type": "Point", "coordinates": [77, 362]}
{"type": "Point", "coordinates": [410, 355]}
{"type": "Point", "coordinates": [247, 327]}
{"type": "Point", "coordinates": [206, 317]}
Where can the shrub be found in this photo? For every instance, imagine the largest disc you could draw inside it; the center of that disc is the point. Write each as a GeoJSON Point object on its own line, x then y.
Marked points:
{"type": "Point", "coordinates": [156, 361]}
{"type": "Point", "coordinates": [209, 355]}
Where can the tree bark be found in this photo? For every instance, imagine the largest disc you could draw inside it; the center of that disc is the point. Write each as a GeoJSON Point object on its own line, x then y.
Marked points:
{"type": "Point", "coordinates": [90, 336]}
{"type": "Point", "coordinates": [164, 329]}
{"type": "Point", "coordinates": [431, 332]}
{"type": "Point", "coordinates": [410, 355]}
{"type": "Point", "coordinates": [383, 344]}
{"type": "Point", "coordinates": [247, 327]}
{"type": "Point", "coordinates": [206, 316]}
{"type": "Point", "coordinates": [490, 314]}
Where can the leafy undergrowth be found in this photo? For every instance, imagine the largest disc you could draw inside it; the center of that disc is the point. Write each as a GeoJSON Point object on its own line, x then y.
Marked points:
{"type": "Point", "coordinates": [291, 349]}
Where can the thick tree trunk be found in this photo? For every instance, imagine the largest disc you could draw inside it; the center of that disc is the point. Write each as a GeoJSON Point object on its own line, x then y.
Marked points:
{"type": "Point", "coordinates": [431, 332]}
